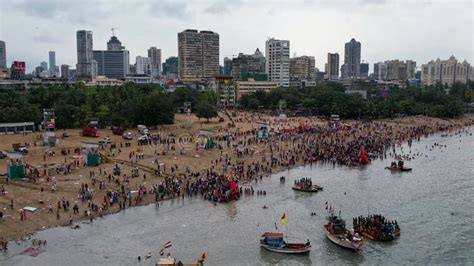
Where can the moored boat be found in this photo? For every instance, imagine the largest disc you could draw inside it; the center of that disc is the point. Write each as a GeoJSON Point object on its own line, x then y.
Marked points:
{"type": "Point", "coordinates": [273, 241]}
{"type": "Point", "coordinates": [398, 169]}
{"type": "Point", "coordinates": [306, 185]}
{"type": "Point", "coordinates": [376, 227]}
{"type": "Point", "coordinates": [337, 233]}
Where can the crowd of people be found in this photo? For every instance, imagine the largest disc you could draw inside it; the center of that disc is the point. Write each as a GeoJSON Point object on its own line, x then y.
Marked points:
{"type": "Point", "coordinates": [239, 156]}
{"type": "Point", "coordinates": [377, 227]}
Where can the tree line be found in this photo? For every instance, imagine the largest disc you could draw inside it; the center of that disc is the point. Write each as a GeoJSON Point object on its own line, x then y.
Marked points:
{"type": "Point", "coordinates": [127, 105]}
{"type": "Point", "coordinates": [132, 104]}
{"type": "Point", "coordinates": [436, 101]}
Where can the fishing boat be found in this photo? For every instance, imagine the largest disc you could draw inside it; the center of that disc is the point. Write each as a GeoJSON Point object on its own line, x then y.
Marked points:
{"type": "Point", "coordinates": [398, 169]}
{"type": "Point", "coordinates": [306, 185]}
{"type": "Point", "coordinates": [312, 188]}
{"type": "Point", "coordinates": [376, 227]}
{"type": "Point", "coordinates": [337, 233]}
{"type": "Point", "coordinates": [273, 241]}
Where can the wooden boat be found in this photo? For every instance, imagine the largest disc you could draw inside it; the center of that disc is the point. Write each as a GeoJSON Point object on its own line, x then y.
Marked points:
{"type": "Point", "coordinates": [273, 241]}
{"type": "Point", "coordinates": [312, 188]}
{"type": "Point", "coordinates": [398, 169]}
{"type": "Point", "coordinates": [337, 233]}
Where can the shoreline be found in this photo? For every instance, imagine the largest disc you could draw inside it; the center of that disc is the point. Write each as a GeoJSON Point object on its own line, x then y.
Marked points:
{"type": "Point", "coordinates": [148, 199]}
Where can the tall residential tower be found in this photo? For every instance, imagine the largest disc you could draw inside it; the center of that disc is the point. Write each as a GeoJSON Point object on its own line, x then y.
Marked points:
{"type": "Point", "coordinates": [198, 54]}
{"type": "Point", "coordinates": [351, 67]}
{"type": "Point", "coordinates": [277, 65]}
{"type": "Point", "coordinates": [86, 65]}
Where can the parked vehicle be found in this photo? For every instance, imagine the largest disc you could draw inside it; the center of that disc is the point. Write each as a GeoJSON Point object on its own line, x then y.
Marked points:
{"type": "Point", "coordinates": [20, 147]}
{"type": "Point", "coordinates": [89, 131]}
{"type": "Point", "coordinates": [118, 130]}
{"type": "Point", "coordinates": [127, 136]}
{"type": "Point", "coordinates": [142, 129]}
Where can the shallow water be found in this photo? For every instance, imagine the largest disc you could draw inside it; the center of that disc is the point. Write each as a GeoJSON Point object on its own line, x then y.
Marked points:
{"type": "Point", "coordinates": [432, 204]}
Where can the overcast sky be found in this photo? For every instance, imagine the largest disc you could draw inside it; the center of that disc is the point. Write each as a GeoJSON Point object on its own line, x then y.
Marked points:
{"type": "Point", "coordinates": [387, 29]}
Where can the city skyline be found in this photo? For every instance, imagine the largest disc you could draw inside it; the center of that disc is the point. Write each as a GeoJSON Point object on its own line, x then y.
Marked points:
{"type": "Point", "coordinates": [406, 37]}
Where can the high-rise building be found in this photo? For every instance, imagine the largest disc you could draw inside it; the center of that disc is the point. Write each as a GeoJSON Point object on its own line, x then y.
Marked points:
{"type": "Point", "coordinates": [277, 64]}
{"type": "Point", "coordinates": [411, 69]}
{"type": "Point", "coordinates": [38, 71]}
{"type": "Point", "coordinates": [65, 71]}
{"type": "Point", "coordinates": [3, 55]}
{"type": "Point", "coordinates": [198, 54]}
{"type": "Point", "coordinates": [332, 67]}
{"type": "Point", "coordinates": [380, 71]}
{"type": "Point", "coordinates": [351, 67]}
{"type": "Point", "coordinates": [245, 66]}
{"type": "Point", "coordinates": [44, 65]}
{"type": "Point", "coordinates": [114, 44]}
{"type": "Point", "coordinates": [170, 67]}
{"type": "Point", "coordinates": [143, 66]}
{"type": "Point", "coordinates": [364, 70]}
{"type": "Point", "coordinates": [446, 72]}
{"type": "Point", "coordinates": [155, 55]}
{"type": "Point", "coordinates": [227, 66]}
{"type": "Point", "coordinates": [114, 63]}
{"type": "Point", "coordinates": [302, 68]}
{"type": "Point", "coordinates": [394, 70]}
{"type": "Point", "coordinates": [86, 65]}
{"type": "Point", "coordinates": [52, 63]}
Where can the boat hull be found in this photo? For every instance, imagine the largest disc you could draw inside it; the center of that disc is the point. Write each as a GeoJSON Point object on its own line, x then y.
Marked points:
{"type": "Point", "coordinates": [396, 169]}
{"type": "Point", "coordinates": [343, 243]}
{"type": "Point", "coordinates": [312, 189]}
{"type": "Point", "coordinates": [283, 250]}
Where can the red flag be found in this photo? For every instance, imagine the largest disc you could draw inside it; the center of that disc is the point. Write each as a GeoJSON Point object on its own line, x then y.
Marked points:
{"type": "Point", "coordinates": [203, 256]}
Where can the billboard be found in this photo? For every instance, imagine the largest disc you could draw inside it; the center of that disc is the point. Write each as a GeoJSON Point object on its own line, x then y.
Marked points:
{"type": "Point", "coordinates": [19, 66]}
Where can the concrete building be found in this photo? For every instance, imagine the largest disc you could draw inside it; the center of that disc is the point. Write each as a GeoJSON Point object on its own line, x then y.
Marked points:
{"type": "Point", "coordinates": [114, 44]}
{"type": "Point", "coordinates": [446, 72]}
{"type": "Point", "coordinates": [3, 55]}
{"type": "Point", "coordinates": [143, 66]}
{"type": "Point", "coordinates": [227, 66]}
{"type": "Point", "coordinates": [411, 69]}
{"type": "Point", "coordinates": [65, 71]}
{"type": "Point", "coordinates": [44, 65]}
{"type": "Point", "coordinates": [277, 65]}
{"type": "Point", "coordinates": [364, 70]}
{"type": "Point", "coordinates": [245, 65]}
{"type": "Point", "coordinates": [86, 65]}
{"type": "Point", "coordinates": [155, 55]}
{"type": "Point", "coordinates": [302, 68]}
{"type": "Point", "coordinates": [52, 64]}
{"type": "Point", "coordinates": [104, 81]}
{"type": "Point", "coordinates": [251, 86]}
{"type": "Point", "coordinates": [170, 67]}
{"type": "Point", "coordinates": [113, 63]}
{"type": "Point", "coordinates": [332, 67]}
{"type": "Point", "coordinates": [198, 54]}
{"type": "Point", "coordinates": [351, 67]}
{"type": "Point", "coordinates": [394, 70]}
{"type": "Point", "coordinates": [224, 88]}
{"type": "Point", "coordinates": [139, 79]}
{"type": "Point", "coordinates": [210, 54]}
{"type": "Point", "coordinates": [380, 71]}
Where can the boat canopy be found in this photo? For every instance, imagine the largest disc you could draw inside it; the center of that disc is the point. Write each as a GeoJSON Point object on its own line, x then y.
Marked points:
{"type": "Point", "coordinates": [272, 234]}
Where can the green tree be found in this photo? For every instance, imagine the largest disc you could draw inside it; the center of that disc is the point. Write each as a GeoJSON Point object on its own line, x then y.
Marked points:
{"type": "Point", "coordinates": [205, 110]}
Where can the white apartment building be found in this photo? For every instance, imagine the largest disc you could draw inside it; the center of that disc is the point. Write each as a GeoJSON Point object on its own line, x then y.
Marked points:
{"type": "Point", "coordinates": [143, 66]}
{"type": "Point", "coordinates": [277, 65]}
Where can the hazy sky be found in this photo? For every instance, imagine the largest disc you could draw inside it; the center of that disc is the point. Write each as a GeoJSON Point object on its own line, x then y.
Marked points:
{"type": "Point", "coordinates": [387, 29]}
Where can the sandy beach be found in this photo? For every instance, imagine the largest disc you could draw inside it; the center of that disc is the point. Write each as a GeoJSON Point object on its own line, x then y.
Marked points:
{"type": "Point", "coordinates": [175, 160]}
